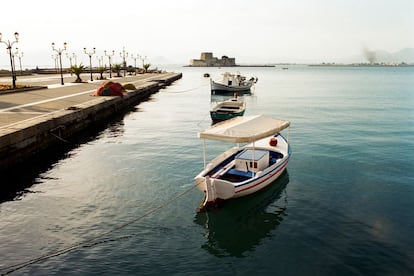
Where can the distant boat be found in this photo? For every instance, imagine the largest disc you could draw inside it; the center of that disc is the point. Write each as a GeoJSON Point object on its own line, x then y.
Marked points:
{"type": "Point", "coordinates": [232, 83]}
{"type": "Point", "coordinates": [241, 171]}
{"type": "Point", "coordinates": [227, 109]}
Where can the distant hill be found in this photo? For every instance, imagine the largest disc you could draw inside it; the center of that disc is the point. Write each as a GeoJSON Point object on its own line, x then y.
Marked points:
{"type": "Point", "coordinates": [405, 55]}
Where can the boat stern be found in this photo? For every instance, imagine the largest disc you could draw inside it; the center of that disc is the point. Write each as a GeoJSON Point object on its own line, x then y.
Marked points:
{"type": "Point", "coordinates": [215, 190]}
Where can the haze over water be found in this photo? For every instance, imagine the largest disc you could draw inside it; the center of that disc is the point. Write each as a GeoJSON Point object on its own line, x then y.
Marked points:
{"type": "Point", "coordinates": [344, 207]}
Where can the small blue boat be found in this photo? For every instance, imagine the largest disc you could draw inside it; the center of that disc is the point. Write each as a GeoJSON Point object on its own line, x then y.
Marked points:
{"type": "Point", "coordinates": [228, 109]}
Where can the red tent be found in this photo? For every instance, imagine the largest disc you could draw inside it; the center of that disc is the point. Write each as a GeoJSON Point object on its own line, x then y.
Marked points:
{"type": "Point", "coordinates": [109, 88]}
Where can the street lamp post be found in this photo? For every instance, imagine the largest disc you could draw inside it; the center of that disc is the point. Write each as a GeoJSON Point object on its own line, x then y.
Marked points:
{"type": "Point", "coordinates": [70, 61]}
{"type": "Point", "coordinates": [143, 58]}
{"type": "Point", "coordinates": [60, 51]}
{"type": "Point", "coordinates": [9, 49]}
{"type": "Point", "coordinates": [135, 60]}
{"type": "Point", "coordinates": [100, 61]}
{"type": "Point", "coordinates": [124, 55]}
{"type": "Point", "coordinates": [19, 56]}
{"type": "Point", "coordinates": [110, 64]}
{"type": "Point", "coordinates": [14, 65]}
{"type": "Point", "coordinates": [90, 54]}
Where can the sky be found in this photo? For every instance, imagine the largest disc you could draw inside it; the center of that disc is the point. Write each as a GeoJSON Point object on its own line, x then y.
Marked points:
{"type": "Point", "coordinates": [167, 31]}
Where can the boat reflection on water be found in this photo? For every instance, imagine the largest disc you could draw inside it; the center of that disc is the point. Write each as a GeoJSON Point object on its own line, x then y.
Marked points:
{"type": "Point", "coordinates": [241, 223]}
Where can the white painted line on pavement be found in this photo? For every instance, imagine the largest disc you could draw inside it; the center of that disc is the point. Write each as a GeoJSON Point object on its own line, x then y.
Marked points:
{"type": "Point", "coordinates": [27, 113]}
{"type": "Point", "coordinates": [58, 85]}
{"type": "Point", "coordinates": [46, 101]}
{"type": "Point", "coordinates": [27, 120]}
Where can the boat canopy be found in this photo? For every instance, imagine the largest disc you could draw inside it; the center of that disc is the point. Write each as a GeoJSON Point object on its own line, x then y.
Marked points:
{"type": "Point", "coordinates": [244, 129]}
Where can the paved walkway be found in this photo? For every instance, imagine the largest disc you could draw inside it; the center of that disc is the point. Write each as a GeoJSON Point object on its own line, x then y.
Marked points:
{"type": "Point", "coordinates": [20, 106]}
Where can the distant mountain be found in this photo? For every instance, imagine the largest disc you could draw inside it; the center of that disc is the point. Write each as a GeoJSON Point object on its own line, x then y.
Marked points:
{"type": "Point", "coordinates": [405, 55]}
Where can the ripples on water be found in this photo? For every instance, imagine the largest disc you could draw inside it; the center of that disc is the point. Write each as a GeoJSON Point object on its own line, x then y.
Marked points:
{"type": "Point", "coordinates": [343, 207]}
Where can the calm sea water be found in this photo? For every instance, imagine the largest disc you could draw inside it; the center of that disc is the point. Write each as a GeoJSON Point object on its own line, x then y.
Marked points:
{"type": "Point", "coordinates": [123, 203]}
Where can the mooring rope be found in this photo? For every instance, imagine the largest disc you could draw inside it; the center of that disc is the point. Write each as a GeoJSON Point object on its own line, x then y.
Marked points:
{"type": "Point", "coordinates": [60, 138]}
{"type": "Point", "coordinates": [184, 91]}
{"type": "Point", "coordinates": [84, 244]}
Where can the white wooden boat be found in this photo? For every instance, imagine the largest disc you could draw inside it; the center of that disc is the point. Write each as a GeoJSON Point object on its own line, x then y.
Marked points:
{"type": "Point", "coordinates": [232, 83]}
{"type": "Point", "coordinates": [243, 170]}
{"type": "Point", "coordinates": [227, 109]}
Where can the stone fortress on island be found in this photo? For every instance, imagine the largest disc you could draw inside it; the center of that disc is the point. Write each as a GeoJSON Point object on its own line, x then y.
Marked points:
{"type": "Point", "coordinates": [208, 60]}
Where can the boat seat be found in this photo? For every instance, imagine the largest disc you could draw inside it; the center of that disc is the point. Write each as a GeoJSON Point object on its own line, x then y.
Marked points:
{"type": "Point", "coordinates": [223, 170]}
{"type": "Point", "coordinates": [274, 156]}
{"type": "Point", "coordinates": [240, 173]}
{"type": "Point", "coordinates": [226, 109]}
{"type": "Point", "coordinates": [231, 107]}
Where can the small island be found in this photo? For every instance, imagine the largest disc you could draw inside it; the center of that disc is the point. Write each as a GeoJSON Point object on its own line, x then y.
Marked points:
{"type": "Point", "coordinates": [208, 60]}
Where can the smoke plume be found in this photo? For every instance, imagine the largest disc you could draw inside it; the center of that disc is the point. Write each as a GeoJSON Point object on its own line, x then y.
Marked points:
{"type": "Point", "coordinates": [371, 56]}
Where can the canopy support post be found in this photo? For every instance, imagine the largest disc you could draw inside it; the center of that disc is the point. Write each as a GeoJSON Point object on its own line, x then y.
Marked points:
{"type": "Point", "coordinates": [253, 155]}
{"type": "Point", "coordinates": [204, 153]}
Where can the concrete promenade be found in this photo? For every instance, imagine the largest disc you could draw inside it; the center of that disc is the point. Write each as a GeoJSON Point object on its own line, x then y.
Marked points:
{"type": "Point", "coordinates": [33, 121]}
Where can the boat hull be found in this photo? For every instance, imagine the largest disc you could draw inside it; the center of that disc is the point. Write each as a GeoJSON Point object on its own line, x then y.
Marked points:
{"type": "Point", "coordinates": [217, 88]}
{"type": "Point", "coordinates": [218, 117]}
